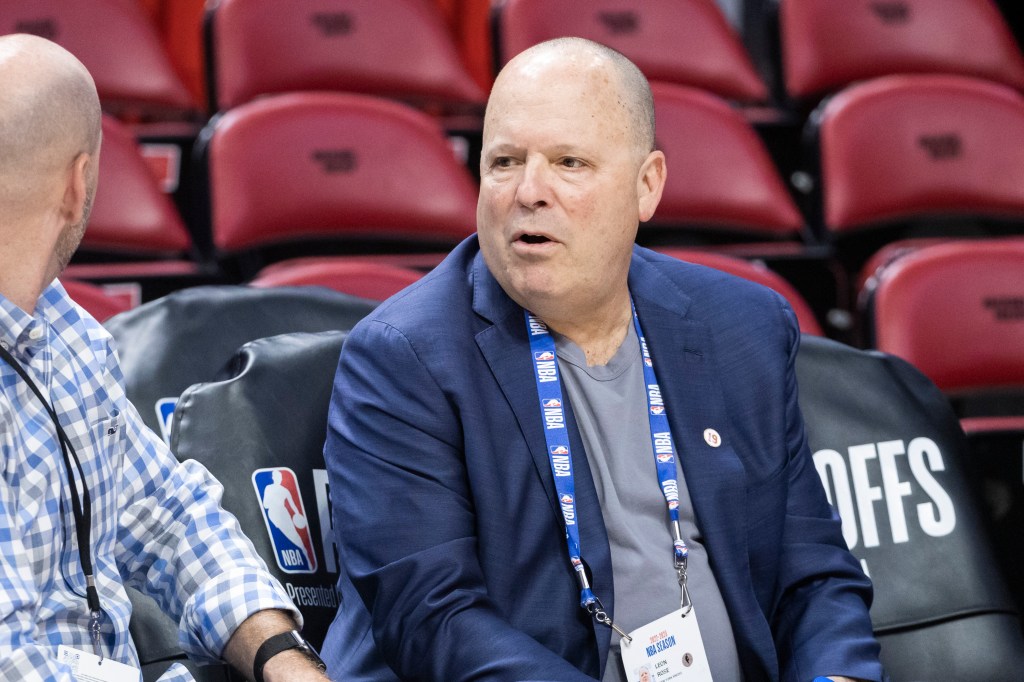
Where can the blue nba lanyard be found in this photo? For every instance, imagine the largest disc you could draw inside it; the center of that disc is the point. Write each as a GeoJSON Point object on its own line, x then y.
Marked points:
{"type": "Point", "coordinates": [549, 390]}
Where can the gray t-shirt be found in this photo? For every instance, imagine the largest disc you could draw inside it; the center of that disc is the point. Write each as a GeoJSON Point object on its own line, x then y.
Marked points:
{"type": "Point", "coordinates": [610, 404]}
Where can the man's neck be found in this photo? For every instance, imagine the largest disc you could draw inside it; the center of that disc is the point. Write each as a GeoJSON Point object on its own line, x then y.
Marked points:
{"type": "Point", "coordinates": [598, 336]}
{"type": "Point", "coordinates": [23, 272]}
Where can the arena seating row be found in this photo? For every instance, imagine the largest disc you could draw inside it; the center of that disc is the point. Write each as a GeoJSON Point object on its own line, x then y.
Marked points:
{"type": "Point", "coordinates": [303, 173]}
{"type": "Point", "coordinates": [405, 48]}
{"type": "Point", "coordinates": [402, 49]}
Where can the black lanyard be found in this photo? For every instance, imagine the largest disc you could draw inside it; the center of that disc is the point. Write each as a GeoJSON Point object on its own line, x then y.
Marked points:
{"type": "Point", "coordinates": [81, 508]}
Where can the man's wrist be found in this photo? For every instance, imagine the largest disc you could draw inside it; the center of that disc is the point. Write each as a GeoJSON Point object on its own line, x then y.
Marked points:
{"type": "Point", "coordinates": [276, 646]}
{"type": "Point", "coordinates": [292, 665]}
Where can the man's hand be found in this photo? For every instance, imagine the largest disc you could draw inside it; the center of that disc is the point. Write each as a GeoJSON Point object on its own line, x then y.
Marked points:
{"type": "Point", "coordinates": [289, 665]}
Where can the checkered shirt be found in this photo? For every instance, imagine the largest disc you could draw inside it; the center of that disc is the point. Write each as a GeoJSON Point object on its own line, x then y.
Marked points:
{"type": "Point", "coordinates": [157, 524]}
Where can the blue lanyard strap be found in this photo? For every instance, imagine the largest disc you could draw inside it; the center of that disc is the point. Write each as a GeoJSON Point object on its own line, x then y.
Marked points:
{"type": "Point", "coordinates": [665, 462]}
{"type": "Point", "coordinates": [549, 391]}
{"type": "Point", "coordinates": [549, 388]}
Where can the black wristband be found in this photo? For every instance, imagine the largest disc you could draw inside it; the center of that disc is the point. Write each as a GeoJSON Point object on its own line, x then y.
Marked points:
{"type": "Point", "coordinates": [283, 642]}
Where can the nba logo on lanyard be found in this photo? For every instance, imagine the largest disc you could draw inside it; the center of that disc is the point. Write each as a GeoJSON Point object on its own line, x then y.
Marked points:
{"type": "Point", "coordinates": [285, 516]}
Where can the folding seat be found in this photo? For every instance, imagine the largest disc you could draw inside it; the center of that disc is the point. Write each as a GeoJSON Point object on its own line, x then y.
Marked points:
{"type": "Point", "coordinates": [120, 47]}
{"type": "Point", "coordinates": [826, 45]}
{"type": "Point", "coordinates": [135, 234]}
{"type": "Point", "coordinates": [724, 192]}
{"type": "Point", "coordinates": [687, 42]}
{"type": "Point", "coordinates": [956, 311]}
{"type": "Point", "coordinates": [325, 170]}
{"type": "Point", "coordinates": [366, 279]}
{"type": "Point", "coordinates": [916, 156]}
{"type": "Point", "coordinates": [755, 272]}
{"type": "Point", "coordinates": [893, 462]}
{"type": "Point", "coordinates": [131, 217]}
{"type": "Point", "coordinates": [389, 48]}
{"type": "Point", "coordinates": [721, 179]}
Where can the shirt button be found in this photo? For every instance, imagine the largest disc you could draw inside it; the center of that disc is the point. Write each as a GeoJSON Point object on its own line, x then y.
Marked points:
{"type": "Point", "coordinates": [35, 333]}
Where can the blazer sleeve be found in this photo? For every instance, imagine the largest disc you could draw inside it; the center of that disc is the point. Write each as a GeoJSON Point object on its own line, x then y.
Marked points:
{"type": "Point", "coordinates": [405, 520]}
{"type": "Point", "coordinates": [821, 622]}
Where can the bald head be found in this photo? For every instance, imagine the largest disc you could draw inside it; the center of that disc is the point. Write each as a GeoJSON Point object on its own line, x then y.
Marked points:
{"type": "Point", "coordinates": [49, 114]}
{"type": "Point", "coordinates": [632, 92]}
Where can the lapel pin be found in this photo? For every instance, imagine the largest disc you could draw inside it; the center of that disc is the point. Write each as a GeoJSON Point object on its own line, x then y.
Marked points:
{"type": "Point", "coordinates": [712, 438]}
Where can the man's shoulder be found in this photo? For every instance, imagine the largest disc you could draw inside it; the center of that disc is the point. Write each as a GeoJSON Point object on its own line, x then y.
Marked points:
{"type": "Point", "coordinates": [702, 286]}
{"type": "Point", "coordinates": [74, 326]}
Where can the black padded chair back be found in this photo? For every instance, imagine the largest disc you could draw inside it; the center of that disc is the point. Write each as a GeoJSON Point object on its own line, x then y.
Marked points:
{"type": "Point", "coordinates": [890, 453]}
{"type": "Point", "coordinates": [187, 336]}
{"type": "Point", "coordinates": [261, 433]}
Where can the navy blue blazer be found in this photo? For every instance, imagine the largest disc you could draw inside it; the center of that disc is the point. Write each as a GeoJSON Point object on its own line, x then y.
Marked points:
{"type": "Point", "coordinates": [444, 503]}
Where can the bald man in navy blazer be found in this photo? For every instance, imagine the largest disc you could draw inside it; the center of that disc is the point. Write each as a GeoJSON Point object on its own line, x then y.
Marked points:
{"type": "Point", "coordinates": [445, 501]}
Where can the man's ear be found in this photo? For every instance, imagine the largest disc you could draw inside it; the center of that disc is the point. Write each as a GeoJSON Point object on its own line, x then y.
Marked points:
{"type": "Point", "coordinates": [651, 183]}
{"type": "Point", "coordinates": [77, 188]}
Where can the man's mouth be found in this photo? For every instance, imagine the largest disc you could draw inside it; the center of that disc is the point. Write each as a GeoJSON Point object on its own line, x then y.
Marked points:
{"type": "Point", "coordinates": [534, 239]}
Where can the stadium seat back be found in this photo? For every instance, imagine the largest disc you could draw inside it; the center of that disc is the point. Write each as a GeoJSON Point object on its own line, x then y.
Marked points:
{"type": "Point", "coordinates": [326, 165]}
{"type": "Point", "coordinates": [906, 147]}
{"type": "Point", "coordinates": [186, 337]}
{"type": "Point", "coordinates": [366, 279]}
{"type": "Point", "coordinates": [890, 453]}
{"type": "Point", "coordinates": [131, 215]}
{"type": "Point", "coordinates": [117, 43]}
{"type": "Point", "coordinates": [261, 433]}
{"type": "Point", "coordinates": [826, 45]}
{"type": "Point", "coordinates": [688, 42]}
{"type": "Point", "coordinates": [956, 312]}
{"type": "Point", "coordinates": [388, 48]}
{"type": "Point", "coordinates": [720, 175]}
{"type": "Point", "coordinates": [189, 337]}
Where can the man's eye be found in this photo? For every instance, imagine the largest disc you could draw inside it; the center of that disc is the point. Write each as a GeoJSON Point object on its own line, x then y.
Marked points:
{"type": "Point", "coordinates": [502, 162]}
{"type": "Point", "coordinates": [570, 162]}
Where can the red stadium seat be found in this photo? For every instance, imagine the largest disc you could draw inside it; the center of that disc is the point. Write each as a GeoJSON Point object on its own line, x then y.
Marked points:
{"type": "Point", "coordinates": [366, 279]}
{"type": "Point", "coordinates": [391, 48]}
{"type": "Point", "coordinates": [827, 44]}
{"type": "Point", "coordinates": [135, 235]}
{"type": "Point", "coordinates": [755, 272]}
{"type": "Point", "coordinates": [956, 311]}
{"type": "Point", "coordinates": [98, 302]}
{"type": "Point", "coordinates": [910, 147]}
{"type": "Point", "coordinates": [117, 43]}
{"type": "Point", "coordinates": [131, 215]}
{"type": "Point", "coordinates": [332, 166]}
{"type": "Point", "coordinates": [720, 177]}
{"type": "Point", "coordinates": [688, 42]}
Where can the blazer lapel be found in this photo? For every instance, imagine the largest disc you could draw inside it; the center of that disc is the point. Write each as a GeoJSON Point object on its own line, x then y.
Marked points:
{"type": "Point", "coordinates": [506, 349]}
{"type": "Point", "coordinates": [685, 364]}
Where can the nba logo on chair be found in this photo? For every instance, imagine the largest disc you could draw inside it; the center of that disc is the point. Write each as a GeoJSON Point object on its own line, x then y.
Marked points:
{"type": "Point", "coordinates": [285, 517]}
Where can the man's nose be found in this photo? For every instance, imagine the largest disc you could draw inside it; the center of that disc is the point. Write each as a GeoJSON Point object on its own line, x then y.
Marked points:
{"type": "Point", "coordinates": [534, 190]}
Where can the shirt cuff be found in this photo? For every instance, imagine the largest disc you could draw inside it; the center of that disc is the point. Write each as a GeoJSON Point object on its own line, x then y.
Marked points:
{"type": "Point", "coordinates": [216, 610]}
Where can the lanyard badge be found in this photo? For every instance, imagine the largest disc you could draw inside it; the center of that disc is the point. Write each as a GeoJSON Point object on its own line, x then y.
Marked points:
{"type": "Point", "coordinates": [552, 406]}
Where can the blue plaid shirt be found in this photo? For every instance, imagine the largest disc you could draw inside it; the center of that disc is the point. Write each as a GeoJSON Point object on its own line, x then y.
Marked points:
{"type": "Point", "coordinates": [157, 524]}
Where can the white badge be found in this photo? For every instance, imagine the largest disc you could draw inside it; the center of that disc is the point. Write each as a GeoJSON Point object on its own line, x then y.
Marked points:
{"type": "Point", "coordinates": [88, 667]}
{"type": "Point", "coordinates": [670, 648]}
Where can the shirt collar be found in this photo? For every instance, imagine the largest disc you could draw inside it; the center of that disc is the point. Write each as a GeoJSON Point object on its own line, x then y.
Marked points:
{"type": "Point", "coordinates": [21, 332]}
